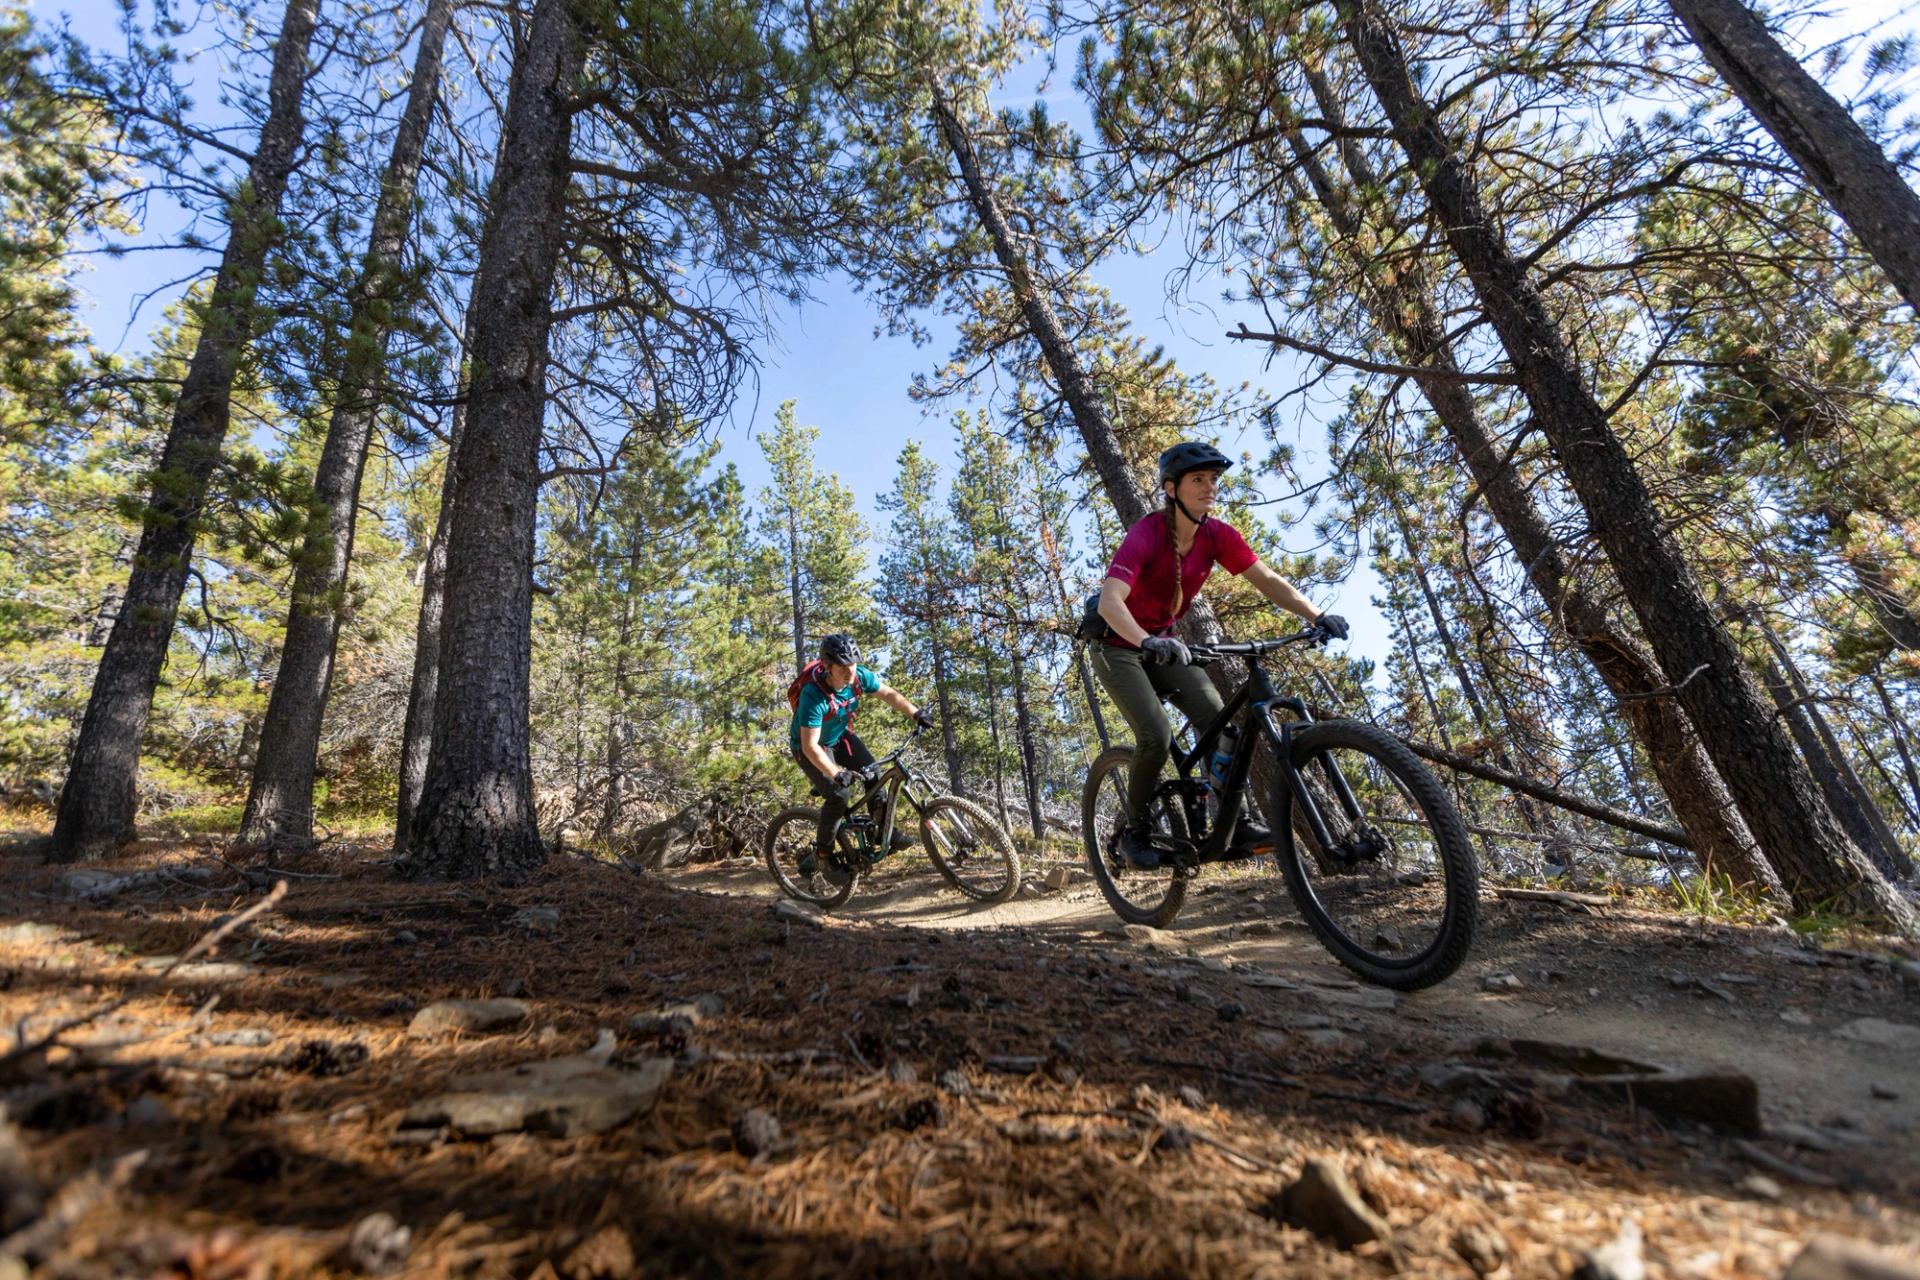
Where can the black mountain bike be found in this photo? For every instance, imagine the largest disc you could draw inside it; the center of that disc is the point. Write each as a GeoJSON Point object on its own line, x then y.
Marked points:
{"type": "Point", "coordinates": [971, 850]}
{"type": "Point", "coordinates": [1373, 851]}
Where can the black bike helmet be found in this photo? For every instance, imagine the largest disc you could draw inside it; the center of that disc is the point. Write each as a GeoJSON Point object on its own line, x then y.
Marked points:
{"type": "Point", "coordinates": [1191, 455]}
{"type": "Point", "coordinates": [839, 649]}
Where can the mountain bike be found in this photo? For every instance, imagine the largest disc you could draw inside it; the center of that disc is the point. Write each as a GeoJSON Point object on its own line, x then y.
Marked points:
{"type": "Point", "coordinates": [1373, 852]}
{"type": "Point", "coordinates": [972, 851]}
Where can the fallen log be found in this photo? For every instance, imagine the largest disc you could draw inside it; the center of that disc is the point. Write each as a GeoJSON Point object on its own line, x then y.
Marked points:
{"type": "Point", "coordinates": [1552, 795]}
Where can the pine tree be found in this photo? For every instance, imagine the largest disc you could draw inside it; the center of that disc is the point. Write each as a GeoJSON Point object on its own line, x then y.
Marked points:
{"type": "Point", "coordinates": [97, 802]}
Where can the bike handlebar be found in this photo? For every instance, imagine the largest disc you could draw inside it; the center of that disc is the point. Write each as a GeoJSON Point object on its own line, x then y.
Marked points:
{"type": "Point", "coordinates": [1203, 653]}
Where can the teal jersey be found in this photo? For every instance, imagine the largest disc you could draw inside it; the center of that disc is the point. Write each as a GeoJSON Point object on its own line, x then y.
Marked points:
{"type": "Point", "coordinates": [829, 711]}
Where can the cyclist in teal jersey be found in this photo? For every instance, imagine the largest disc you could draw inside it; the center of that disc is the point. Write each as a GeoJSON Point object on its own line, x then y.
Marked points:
{"type": "Point", "coordinates": [825, 748]}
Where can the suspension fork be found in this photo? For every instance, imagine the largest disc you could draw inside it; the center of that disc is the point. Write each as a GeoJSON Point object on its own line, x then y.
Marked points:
{"type": "Point", "coordinates": [1282, 739]}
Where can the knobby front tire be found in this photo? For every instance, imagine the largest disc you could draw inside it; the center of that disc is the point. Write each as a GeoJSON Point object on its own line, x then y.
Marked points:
{"type": "Point", "coordinates": [970, 849]}
{"type": "Point", "coordinates": [1403, 916]}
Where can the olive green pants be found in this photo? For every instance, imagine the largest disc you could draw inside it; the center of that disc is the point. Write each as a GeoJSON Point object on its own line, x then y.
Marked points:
{"type": "Point", "coordinates": [1136, 687]}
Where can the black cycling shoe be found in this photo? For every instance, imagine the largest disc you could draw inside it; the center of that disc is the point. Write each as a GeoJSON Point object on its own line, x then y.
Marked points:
{"type": "Point", "coordinates": [1136, 849]}
{"type": "Point", "coordinates": [1252, 837]}
{"type": "Point", "coordinates": [900, 843]}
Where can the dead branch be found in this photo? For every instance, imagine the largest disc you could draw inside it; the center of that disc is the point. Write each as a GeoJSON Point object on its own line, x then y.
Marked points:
{"type": "Point", "coordinates": [1552, 795]}
{"type": "Point", "coordinates": [1573, 901]}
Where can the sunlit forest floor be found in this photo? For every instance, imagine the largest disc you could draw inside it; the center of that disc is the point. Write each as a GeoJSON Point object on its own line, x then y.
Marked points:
{"type": "Point", "coordinates": [914, 1084]}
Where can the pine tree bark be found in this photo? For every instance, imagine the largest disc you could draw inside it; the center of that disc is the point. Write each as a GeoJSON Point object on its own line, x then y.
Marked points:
{"type": "Point", "coordinates": [98, 800]}
{"type": "Point", "coordinates": [1826, 142]}
{"type": "Point", "coordinates": [1029, 752]}
{"type": "Point", "coordinates": [1854, 805]}
{"type": "Point", "coordinates": [1076, 386]}
{"type": "Point", "coordinates": [476, 814]}
{"type": "Point", "coordinates": [949, 739]}
{"type": "Point", "coordinates": [280, 798]}
{"type": "Point", "coordinates": [1799, 835]}
{"type": "Point", "coordinates": [1410, 318]}
{"type": "Point", "coordinates": [793, 589]}
{"type": "Point", "coordinates": [416, 738]}
{"type": "Point", "coordinates": [1896, 727]}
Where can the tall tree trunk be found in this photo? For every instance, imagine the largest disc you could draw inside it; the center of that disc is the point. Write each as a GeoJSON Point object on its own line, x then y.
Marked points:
{"type": "Point", "coordinates": [1076, 386]}
{"type": "Point", "coordinates": [793, 589]}
{"type": "Point", "coordinates": [280, 797]}
{"type": "Point", "coordinates": [949, 739]}
{"type": "Point", "coordinates": [1865, 822]}
{"type": "Point", "coordinates": [1783, 808]}
{"type": "Point", "coordinates": [1897, 727]}
{"type": "Point", "coordinates": [1411, 320]}
{"type": "Point", "coordinates": [1908, 813]}
{"type": "Point", "coordinates": [476, 813]}
{"type": "Point", "coordinates": [1469, 688]}
{"type": "Point", "coordinates": [1863, 186]}
{"type": "Point", "coordinates": [617, 726]}
{"type": "Point", "coordinates": [97, 802]}
{"type": "Point", "coordinates": [1056, 573]}
{"type": "Point", "coordinates": [416, 738]}
{"type": "Point", "coordinates": [1029, 754]}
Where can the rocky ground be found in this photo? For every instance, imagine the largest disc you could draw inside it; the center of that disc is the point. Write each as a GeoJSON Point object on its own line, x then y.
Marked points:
{"type": "Point", "coordinates": [600, 1074]}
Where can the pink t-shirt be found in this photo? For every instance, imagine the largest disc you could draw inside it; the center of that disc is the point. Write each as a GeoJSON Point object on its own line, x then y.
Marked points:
{"type": "Point", "coordinates": [1145, 562]}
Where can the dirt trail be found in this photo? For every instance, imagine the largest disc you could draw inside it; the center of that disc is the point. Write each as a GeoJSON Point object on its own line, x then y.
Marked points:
{"type": "Point", "coordinates": [1618, 980]}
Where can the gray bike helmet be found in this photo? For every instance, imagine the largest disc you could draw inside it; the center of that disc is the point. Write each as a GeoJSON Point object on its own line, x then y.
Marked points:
{"type": "Point", "coordinates": [839, 649]}
{"type": "Point", "coordinates": [1191, 455]}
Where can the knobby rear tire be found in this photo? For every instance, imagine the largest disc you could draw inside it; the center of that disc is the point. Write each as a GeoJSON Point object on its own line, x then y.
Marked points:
{"type": "Point", "coordinates": [782, 837]}
{"type": "Point", "coordinates": [1167, 818]}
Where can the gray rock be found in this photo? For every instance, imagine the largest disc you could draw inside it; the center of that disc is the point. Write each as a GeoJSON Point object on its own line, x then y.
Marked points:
{"type": "Point", "coordinates": [799, 912]}
{"type": "Point", "coordinates": [954, 1082]}
{"type": "Point", "coordinates": [1501, 982]}
{"type": "Point", "coordinates": [677, 1017]}
{"type": "Point", "coordinates": [537, 919]}
{"type": "Point", "coordinates": [1334, 1041]}
{"type": "Point", "coordinates": [147, 1112]}
{"type": "Point", "coordinates": [559, 1097]}
{"type": "Point", "coordinates": [443, 1017]}
{"type": "Point", "coordinates": [1760, 1187]}
{"type": "Point", "coordinates": [1879, 1031]}
{"type": "Point", "coordinates": [1883, 1093]}
{"type": "Point", "coordinates": [1361, 998]}
{"type": "Point", "coordinates": [1325, 1203]}
{"type": "Point", "coordinates": [1467, 1115]}
{"type": "Point", "coordinates": [1059, 878]}
{"type": "Point", "coordinates": [378, 1245]}
{"type": "Point", "coordinates": [1838, 1258]}
{"type": "Point", "coordinates": [1621, 1258]}
{"type": "Point", "coordinates": [755, 1132]}
{"type": "Point", "coordinates": [244, 1038]}
{"type": "Point", "coordinates": [1192, 1096]}
{"type": "Point", "coordinates": [28, 933]}
{"type": "Point", "coordinates": [901, 1071]}
{"type": "Point", "coordinates": [403, 938]}
{"type": "Point", "coordinates": [1266, 981]}
{"type": "Point", "coordinates": [1148, 936]}
{"type": "Point", "coordinates": [1722, 1099]}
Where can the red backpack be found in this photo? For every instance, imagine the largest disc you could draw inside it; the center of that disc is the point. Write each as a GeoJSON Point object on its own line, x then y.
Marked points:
{"type": "Point", "coordinates": [817, 671]}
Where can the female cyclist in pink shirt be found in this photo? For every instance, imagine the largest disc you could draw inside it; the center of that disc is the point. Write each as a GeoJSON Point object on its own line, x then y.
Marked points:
{"type": "Point", "coordinates": [1160, 567]}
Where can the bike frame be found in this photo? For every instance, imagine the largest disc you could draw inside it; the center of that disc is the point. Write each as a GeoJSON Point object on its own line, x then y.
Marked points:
{"type": "Point", "coordinates": [1257, 698]}
{"type": "Point", "coordinates": [895, 780]}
